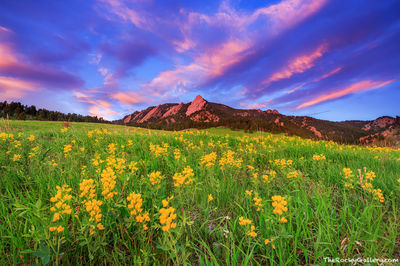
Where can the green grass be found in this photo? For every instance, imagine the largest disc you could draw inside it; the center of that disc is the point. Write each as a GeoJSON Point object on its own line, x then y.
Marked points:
{"type": "Point", "coordinates": [324, 217]}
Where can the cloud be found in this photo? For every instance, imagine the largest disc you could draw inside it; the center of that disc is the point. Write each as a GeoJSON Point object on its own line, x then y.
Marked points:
{"type": "Point", "coordinates": [18, 67]}
{"type": "Point", "coordinates": [360, 86]}
{"type": "Point", "coordinates": [256, 106]}
{"type": "Point", "coordinates": [97, 107]}
{"type": "Point", "coordinates": [4, 29]}
{"type": "Point", "coordinates": [298, 65]}
{"type": "Point", "coordinates": [129, 53]}
{"type": "Point", "coordinates": [12, 88]}
{"type": "Point", "coordinates": [129, 98]}
{"type": "Point", "coordinates": [326, 75]}
{"type": "Point", "coordinates": [7, 58]}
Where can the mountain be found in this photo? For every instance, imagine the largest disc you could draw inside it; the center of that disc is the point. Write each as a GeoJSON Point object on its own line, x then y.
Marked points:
{"type": "Point", "coordinates": [202, 114]}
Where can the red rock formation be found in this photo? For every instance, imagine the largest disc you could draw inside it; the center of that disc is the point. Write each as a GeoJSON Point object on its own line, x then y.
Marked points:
{"type": "Point", "coordinates": [205, 116]}
{"type": "Point", "coordinates": [173, 110]}
{"type": "Point", "coordinates": [127, 118]}
{"type": "Point", "coordinates": [379, 123]}
{"type": "Point", "coordinates": [197, 105]}
{"type": "Point", "coordinates": [315, 131]}
{"type": "Point", "coordinates": [274, 112]}
{"type": "Point", "coordinates": [154, 113]}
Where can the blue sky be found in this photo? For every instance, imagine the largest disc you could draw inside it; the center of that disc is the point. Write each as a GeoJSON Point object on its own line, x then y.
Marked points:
{"type": "Point", "coordinates": [334, 60]}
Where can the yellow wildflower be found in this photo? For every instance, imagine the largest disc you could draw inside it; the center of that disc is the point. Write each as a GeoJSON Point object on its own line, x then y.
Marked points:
{"type": "Point", "coordinates": [167, 218]}
{"type": "Point", "coordinates": [108, 182]}
{"type": "Point", "coordinates": [293, 174]}
{"type": "Point", "coordinates": [209, 159]}
{"type": "Point", "coordinates": [249, 192]}
{"type": "Point", "coordinates": [319, 157]}
{"type": "Point", "coordinates": [135, 203]}
{"type": "Point", "coordinates": [243, 221]}
{"type": "Point", "coordinates": [155, 177]}
{"type": "Point", "coordinates": [210, 197]}
{"type": "Point", "coordinates": [16, 157]}
{"type": "Point", "coordinates": [133, 167]}
{"type": "Point", "coordinates": [257, 203]}
{"type": "Point", "coordinates": [279, 203]}
{"type": "Point", "coordinates": [183, 178]}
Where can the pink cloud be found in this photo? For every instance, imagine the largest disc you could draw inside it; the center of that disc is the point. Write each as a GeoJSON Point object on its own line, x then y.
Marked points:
{"type": "Point", "coordinates": [298, 65]}
{"type": "Point", "coordinates": [280, 16]}
{"type": "Point", "coordinates": [295, 88]}
{"type": "Point", "coordinates": [97, 107]}
{"type": "Point", "coordinates": [331, 73]}
{"type": "Point", "coordinates": [129, 98]}
{"type": "Point", "coordinates": [360, 86]}
{"type": "Point", "coordinates": [204, 67]}
{"type": "Point", "coordinates": [4, 29]}
{"type": "Point", "coordinates": [7, 57]}
{"type": "Point", "coordinates": [13, 88]}
{"type": "Point", "coordinates": [288, 13]}
{"type": "Point", "coordinates": [256, 106]}
{"type": "Point", "coordinates": [127, 14]}
{"type": "Point", "coordinates": [103, 71]}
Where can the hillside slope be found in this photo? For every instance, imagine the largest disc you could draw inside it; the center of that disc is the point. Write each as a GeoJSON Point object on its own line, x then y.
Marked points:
{"type": "Point", "coordinates": [202, 114]}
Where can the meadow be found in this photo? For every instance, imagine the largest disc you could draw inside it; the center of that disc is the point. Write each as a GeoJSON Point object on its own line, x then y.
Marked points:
{"type": "Point", "coordinates": [81, 193]}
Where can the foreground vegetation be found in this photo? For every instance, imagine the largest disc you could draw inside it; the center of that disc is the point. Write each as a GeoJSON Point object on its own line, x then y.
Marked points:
{"type": "Point", "coordinates": [90, 193]}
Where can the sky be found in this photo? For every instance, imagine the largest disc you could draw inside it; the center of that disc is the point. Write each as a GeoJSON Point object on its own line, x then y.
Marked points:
{"type": "Point", "coordinates": [334, 60]}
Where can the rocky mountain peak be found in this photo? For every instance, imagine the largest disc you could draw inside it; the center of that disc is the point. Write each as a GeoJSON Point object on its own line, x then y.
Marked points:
{"type": "Point", "coordinates": [198, 104]}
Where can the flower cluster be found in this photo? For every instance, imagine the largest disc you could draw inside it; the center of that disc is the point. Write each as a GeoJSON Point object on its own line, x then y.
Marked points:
{"type": "Point", "coordinates": [210, 198]}
{"type": "Point", "coordinates": [135, 207]}
{"type": "Point", "coordinates": [67, 149]}
{"type": "Point", "coordinates": [108, 182]}
{"type": "Point", "coordinates": [378, 195]}
{"type": "Point", "coordinates": [269, 177]}
{"type": "Point", "coordinates": [257, 203]}
{"type": "Point", "coordinates": [16, 157]}
{"type": "Point", "coordinates": [228, 159]}
{"type": "Point", "coordinates": [177, 154]}
{"type": "Point", "coordinates": [93, 208]}
{"type": "Point", "coordinates": [135, 203]}
{"type": "Point", "coordinates": [5, 136]}
{"type": "Point", "coordinates": [319, 157]}
{"type": "Point", "coordinates": [133, 167]}
{"type": "Point", "coordinates": [183, 178]}
{"type": "Point", "coordinates": [159, 150]}
{"type": "Point", "coordinates": [117, 163]}
{"type": "Point", "coordinates": [209, 159]}
{"type": "Point", "coordinates": [279, 203]}
{"type": "Point", "coordinates": [366, 184]}
{"type": "Point", "coordinates": [87, 189]}
{"type": "Point", "coordinates": [245, 222]}
{"type": "Point", "coordinates": [249, 192]}
{"type": "Point", "coordinates": [167, 217]}
{"type": "Point", "coordinates": [31, 138]}
{"type": "Point", "coordinates": [112, 148]}
{"type": "Point", "coordinates": [282, 163]}
{"type": "Point", "coordinates": [155, 177]}
{"type": "Point", "coordinates": [349, 177]}
{"type": "Point", "coordinates": [61, 206]}
{"type": "Point", "coordinates": [269, 241]}
{"type": "Point", "coordinates": [293, 174]}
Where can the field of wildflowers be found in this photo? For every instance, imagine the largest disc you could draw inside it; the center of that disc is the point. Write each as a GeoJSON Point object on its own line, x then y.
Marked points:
{"type": "Point", "coordinates": [90, 193]}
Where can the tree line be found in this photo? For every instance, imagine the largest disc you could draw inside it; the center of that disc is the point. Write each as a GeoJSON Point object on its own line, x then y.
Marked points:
{"type": "Point", "coordinates": [18, 111]}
